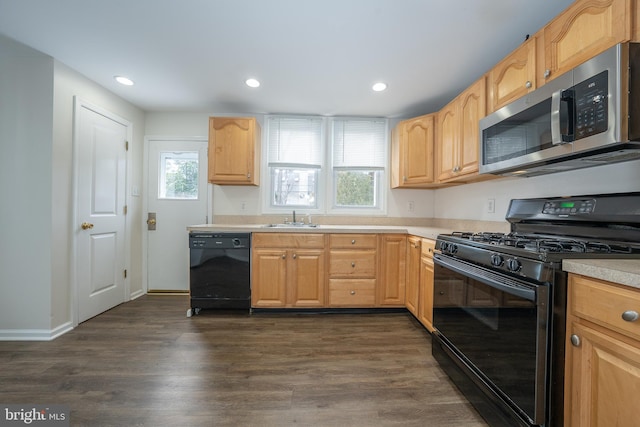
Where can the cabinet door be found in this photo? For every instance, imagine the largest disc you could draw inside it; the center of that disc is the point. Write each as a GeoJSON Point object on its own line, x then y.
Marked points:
{"type": "Point", "coordinates": [514, 76]}
{"type": "Point", "coordinates": [391, 280]}
{"type": "Point", "coordinates": [417, 150]}
{"type": "Point", "coordinates": [584, 30]}
{"type": "Point", "coordinates": [602, 380]}
{"type": "Point", "coordinates": [447, 141]}
{"type": "Point", "coordinates": [233, 150]}
{"type": "Point", "coordinates": [268, 278]}
{"type": "Point", "coordinates": [425, 307]}
{"type": "Point", "coordinates": [306, 280]}
{"type": "Point", "coordinates": [472, 109]}
{"type": "Point", "coordinates": [413, 274]}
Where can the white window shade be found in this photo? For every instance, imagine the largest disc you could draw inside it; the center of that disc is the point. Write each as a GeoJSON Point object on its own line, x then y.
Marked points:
{"type": "Point", "coordinates": [359, 143]}
{"type": "Point", "coordinates": [295, 141]}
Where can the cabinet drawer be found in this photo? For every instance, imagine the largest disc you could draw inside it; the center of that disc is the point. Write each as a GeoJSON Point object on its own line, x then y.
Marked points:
{"type": "Point", "coordinates": [428, 247]}
{"type": "Point", "coordinates": [603, 303]}
{"type": "Point", "coordinates": [288, 240]}
{"type": "Point", "coordinates": [355, 263]}
{"type": "Point", "coordinates": [352, 292]}
{"type": "Point", "coordinates": [353, 241]}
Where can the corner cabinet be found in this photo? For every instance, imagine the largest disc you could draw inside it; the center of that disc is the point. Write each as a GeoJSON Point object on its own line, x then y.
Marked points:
{"type": "Point", "coordinates": [412, 150]}
{"type": "Point", "coordinates": [288, 270]}
{"type": "Point", "coordinates": [583, 30]}
{"type": "Point", "coordinates": [602, 371]}
{"type": "Point", "coordinates": [234, 151]}
{"type": "Point", "coordinates": [457, 135]}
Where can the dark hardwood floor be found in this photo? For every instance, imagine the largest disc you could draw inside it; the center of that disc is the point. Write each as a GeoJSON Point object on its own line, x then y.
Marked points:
{"type": "Point", "coordinates": [144, 363]}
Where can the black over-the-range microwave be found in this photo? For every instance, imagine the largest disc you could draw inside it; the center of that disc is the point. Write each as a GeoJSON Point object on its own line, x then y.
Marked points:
{"type": "Point", "coordinates": [588, 116]}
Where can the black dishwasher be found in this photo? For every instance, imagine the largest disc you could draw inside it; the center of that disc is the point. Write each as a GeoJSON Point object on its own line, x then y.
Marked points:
{"type": "Point", "coordinates": [220, 271]}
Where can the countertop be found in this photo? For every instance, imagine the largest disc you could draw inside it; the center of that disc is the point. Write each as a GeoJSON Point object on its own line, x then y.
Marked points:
{"type": "Point", "coordinates": [426, 232]}
{"type": "Point", "coordinates": [624, 272]}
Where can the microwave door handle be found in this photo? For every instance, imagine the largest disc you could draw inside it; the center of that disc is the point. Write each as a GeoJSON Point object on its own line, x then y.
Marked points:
{"type": "Point", "coordinates": [556, 134]}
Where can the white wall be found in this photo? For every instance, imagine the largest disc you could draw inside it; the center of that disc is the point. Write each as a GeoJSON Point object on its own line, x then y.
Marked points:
{"type": "Point", "coordinates": [469, 201]}
{"type": "Point", "coordinates": [36, 212]}
{"type": "Point", "coordinates": [26, 88]}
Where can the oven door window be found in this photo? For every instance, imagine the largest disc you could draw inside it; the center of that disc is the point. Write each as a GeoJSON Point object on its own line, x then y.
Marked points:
{"type": "Point", "coordinates": [500, 334]}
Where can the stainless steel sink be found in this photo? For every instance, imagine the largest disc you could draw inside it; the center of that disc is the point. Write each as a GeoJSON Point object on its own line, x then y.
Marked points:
{"type": "Point", "coordinates": [291, 225]}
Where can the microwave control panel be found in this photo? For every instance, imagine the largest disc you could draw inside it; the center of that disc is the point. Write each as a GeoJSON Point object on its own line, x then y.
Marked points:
{"type": "Point", "coordinates": [591, 105]}
{"type": "Point", "coordinates": [569, 207]}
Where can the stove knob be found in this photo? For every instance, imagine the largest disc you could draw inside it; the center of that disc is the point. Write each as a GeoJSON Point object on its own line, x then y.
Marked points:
{"type": "Point", "coordinates": [444, 246]}
{"type": "Point", "coordinates": [513, 264]}
{"type": "Point", "coordinates": [496, 260]}
{"type": "Point", "coordinates": [453, 248]}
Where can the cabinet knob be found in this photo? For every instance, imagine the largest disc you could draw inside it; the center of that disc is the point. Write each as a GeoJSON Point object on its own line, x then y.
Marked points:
{"type": "Point", "coordinates": [294, 256]}
{"type": "Point", "coordinates": [404, 178]}
{"type": "Point", "coordinates": [353, 264]}
{"type": "Point", "coordinates": [353, 242]}
{"type": "Point", "coordinates": [575, 340]}
{"type": "Point", "coordinates": [630, 316]}
{"type": "Point", "coordinates": [441, 292]}
{"type": "Point", "coordinates": [547, 73]}
{"type": "Point", "coordinates": [528, 85]}
{"type": "Point", "coordinates": [248, 176]}
{"type": "Point", "coordinates": [284, 256]}
{"type": "Point", "coordinates": [352, 292]}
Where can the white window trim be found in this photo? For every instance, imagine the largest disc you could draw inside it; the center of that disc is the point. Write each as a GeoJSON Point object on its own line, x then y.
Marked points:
{"type": "Point", "coordinates": [326, 205]}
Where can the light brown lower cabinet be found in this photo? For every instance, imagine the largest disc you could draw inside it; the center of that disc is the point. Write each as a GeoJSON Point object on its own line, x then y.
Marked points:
{"type": "Point", "coordinates": [425, 306]}
{"type": "Point", "coordinates": [288, 270]}
{"type": "Point", "coordinates": [392, 274]}
{"type": "Point", "coordinates": [352, 270]}
{"type": "Point", "coordinates": [602, 362]}
{"type": "Point", "coordinates": [412, 293]}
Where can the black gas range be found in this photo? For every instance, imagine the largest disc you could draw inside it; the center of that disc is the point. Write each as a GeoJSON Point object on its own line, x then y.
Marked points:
{"type": "Point", "coordinates": [500, 300]}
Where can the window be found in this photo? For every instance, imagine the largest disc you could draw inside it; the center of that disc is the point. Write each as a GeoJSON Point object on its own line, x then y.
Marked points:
{"type": "Point", "coordinates": [294, 158]}
{"type": "Point", "coordinates": [358, 162]}
{"type": "Point", "coordinates": [178, 175]}
{"type": "Point", "coordinates": [297, 149]}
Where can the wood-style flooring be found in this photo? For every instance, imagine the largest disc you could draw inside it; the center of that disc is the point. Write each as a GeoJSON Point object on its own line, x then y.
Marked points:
{"type": "Point", "coordinates": [144, 363]}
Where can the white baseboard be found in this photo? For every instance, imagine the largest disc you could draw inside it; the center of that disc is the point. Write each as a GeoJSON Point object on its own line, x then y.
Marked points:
{"type": "Point", "coordinates": [136, 294]}
{"type": "Point", "coordinates": [34, 334]}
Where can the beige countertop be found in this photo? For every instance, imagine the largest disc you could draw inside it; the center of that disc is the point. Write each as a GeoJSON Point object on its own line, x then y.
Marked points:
{"type": "Point", "coordinates": [426, 232]}
{"type": "Point", "coordinates": [624, 272]}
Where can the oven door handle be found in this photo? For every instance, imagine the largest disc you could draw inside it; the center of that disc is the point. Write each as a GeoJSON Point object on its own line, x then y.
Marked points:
{"type": "Point", "coordinates": [500, 282]}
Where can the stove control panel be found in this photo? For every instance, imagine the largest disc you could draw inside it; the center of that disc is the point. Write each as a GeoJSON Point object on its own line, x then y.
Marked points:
{"type": "Point", "coordinates": [569, 207]}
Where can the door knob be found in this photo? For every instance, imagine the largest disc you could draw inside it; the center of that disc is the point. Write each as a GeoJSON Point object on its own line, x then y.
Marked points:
{"type": "Point", "coordinates": [151, 221]}
{"type": "Point", "coordinates": [86, 225]}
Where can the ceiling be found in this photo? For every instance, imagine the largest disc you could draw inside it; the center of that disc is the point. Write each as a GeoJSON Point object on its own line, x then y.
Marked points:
{"type": "Point", "coordinates": [311, 57]}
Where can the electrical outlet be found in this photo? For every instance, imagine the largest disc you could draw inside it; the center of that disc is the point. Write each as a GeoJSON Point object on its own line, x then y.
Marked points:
{"type": "Point", "coordinates": [491, 205]}
{"type": "Point", "coordinates": [243, 205]}
{"type": "Point", "coordinates": [411, 206]}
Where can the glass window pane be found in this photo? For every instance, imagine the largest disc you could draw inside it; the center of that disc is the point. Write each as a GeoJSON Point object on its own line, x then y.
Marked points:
{"type": "Point", "coordinates": [356, 188]}
{"type": "Point", "coordinates": [295, 187]}
{"type": "Point", "coordinates": [178, 175]}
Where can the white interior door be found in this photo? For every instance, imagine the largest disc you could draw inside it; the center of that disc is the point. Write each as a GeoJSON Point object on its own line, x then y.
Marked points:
{"type": "Point", "coordinates": [176, 198]}
{"type": "Point", "coordinates": [101, 164]}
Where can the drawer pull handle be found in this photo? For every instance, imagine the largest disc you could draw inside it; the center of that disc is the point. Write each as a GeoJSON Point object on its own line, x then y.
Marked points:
{"type": "Point", "coordinates": [353, 264]}
{"type": "Point", "coordinates": [630, 315]}
{"type": "Point", "coordinates": [295, 256]}
{"type": "Point", "coordinates": [284, 256]}
{"type": "Point", "coordinates": [353, 242]}
{"type": "Point", "coordinates": [575, 340]}
{"type": "Point", "coordinates": [352, 292]}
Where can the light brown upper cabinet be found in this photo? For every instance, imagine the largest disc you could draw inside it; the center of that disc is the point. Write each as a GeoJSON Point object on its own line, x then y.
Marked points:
{"type": "Point", "coordinates": [234, 151]}
{"type": "Point", "coordinates": [412, 161]}
{"type": "Point", "coordinates": [457, 135]}
{"type": "Point", "coordinates": [514, 76]}
{"type": "Point", "coordinates": [583, 30]}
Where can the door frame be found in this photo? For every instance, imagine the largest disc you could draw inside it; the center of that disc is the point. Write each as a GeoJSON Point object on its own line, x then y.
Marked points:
{"type": "Point", "coordinates": [145, 196]}
{"type": "Point", "coordinates": [78, 104]}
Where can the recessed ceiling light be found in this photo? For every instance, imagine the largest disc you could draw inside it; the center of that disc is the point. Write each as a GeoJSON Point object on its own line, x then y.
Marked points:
{"type": "Point", "coordinates": [379, 87]}
{"type": "Point", "coordinates": [252, 83]}
{"type": "Point", "coordinates": [124, 80]}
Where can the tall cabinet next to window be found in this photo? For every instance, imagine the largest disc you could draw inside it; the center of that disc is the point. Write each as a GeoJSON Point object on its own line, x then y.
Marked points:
{"type": "Point", "coordinates": [234, 150]}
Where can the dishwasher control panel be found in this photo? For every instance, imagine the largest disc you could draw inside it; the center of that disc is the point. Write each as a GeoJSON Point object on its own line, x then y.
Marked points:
{"type": "Point", "coordinates": [199, 240]}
